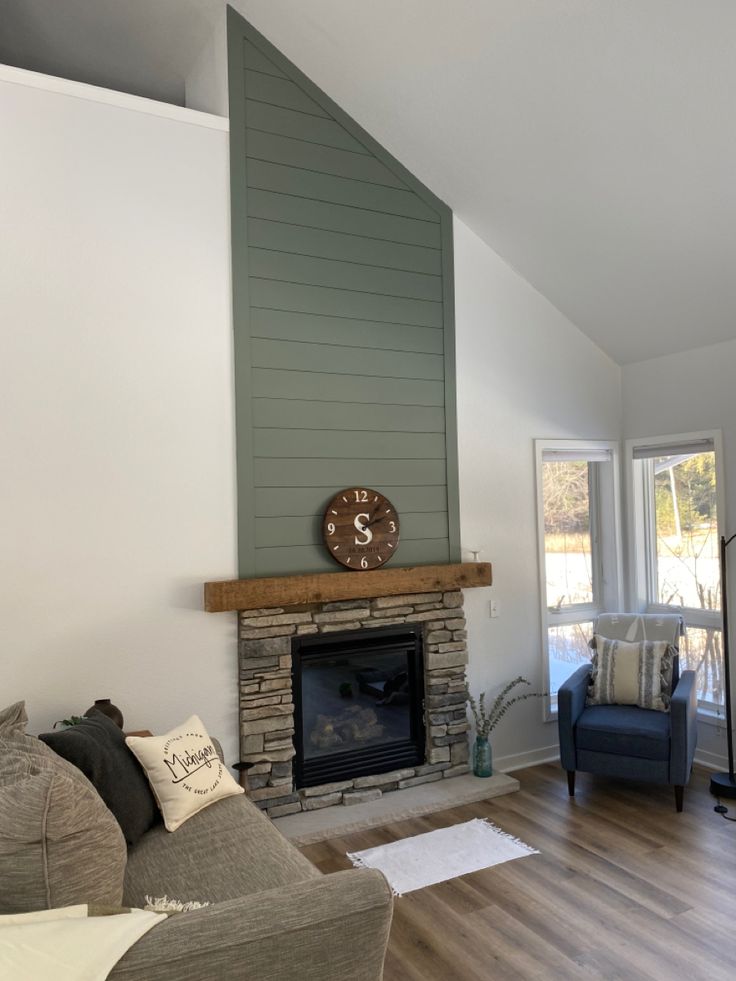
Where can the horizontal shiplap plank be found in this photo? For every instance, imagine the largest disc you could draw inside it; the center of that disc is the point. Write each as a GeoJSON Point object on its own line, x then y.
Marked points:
{"type": "Point", "coordinates": [424, 551]}
{"type": "Point", "coordinates": [338, 444]}
{"type": "Point", "coordinates": [265, 176]}
{"type": "Point", "coordinates": [289, 325]}
{"type": "Point", "coordinates": [300, 126]}
{"type": "Point", "coordinates": [307, 530]}
{"type": "Point", "coordinates": [270, 383]}
{"type": "Point", "coordinates": [316, 471]}
{"type": "Point", "coordinates": [280, 237]}
{"type": "Point", "coordinates": [344, 303]}
{"type": "Point", "coordinates": [280, 92]}
{"type": "Point", "coordinates": [313, 156]}
{"type": "Point", "coordinates": [340, 218]}
{"type": "Point", "coordinates": [300, 356]}
{"type": "Point", "coordinates": [313, 558]}
{"type": "Point", "coordinates": [273, 413]}
{"type": "Point", "coordinates": [256, 60]}
{"type": "Point", "coordinates": [273, 502]}
{"type": "Point", "coordinates": [282, 531]}
{"type": "Point", "coordinates": [313, 271]}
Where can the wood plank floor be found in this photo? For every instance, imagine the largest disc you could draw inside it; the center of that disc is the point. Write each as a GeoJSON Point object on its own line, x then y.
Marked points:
{"type": "Point", "coordinates": [624, 888]}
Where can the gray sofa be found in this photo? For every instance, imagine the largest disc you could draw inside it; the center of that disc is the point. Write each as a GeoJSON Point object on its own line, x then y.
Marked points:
{"type": "Point", "coordinates": [273, 915]}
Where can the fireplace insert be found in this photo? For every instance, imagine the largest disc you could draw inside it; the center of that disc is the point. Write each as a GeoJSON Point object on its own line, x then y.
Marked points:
{"type": "Point", "coordinates": [358, 703]}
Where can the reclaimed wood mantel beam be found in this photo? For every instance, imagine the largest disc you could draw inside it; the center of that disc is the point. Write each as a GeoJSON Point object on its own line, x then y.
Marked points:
{"type": "Point", "coordinates": [254, 594]}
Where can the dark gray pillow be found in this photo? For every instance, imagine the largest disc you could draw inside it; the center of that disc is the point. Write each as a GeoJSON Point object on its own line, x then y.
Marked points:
{"type": "Point", "coordinates": [97, 747]}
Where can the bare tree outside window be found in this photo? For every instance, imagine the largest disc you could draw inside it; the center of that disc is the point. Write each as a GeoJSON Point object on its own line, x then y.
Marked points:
{"type": "Point", "coordinates": [687, 559]}
{"type": "Point", "coordinates": [568, 557]}
{"type": "Point", "coordinates": [569, 643]}
{"type": "Point", "coordinates": [567, 539]}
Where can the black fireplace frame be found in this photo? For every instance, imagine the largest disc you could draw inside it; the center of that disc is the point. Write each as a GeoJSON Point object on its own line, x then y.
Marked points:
{"type": "Point", "coordinates": [410, 752]}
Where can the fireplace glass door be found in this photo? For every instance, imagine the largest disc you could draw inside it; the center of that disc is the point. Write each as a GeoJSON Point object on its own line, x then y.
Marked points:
{"type": "Point", "coordinates": [358, 704]}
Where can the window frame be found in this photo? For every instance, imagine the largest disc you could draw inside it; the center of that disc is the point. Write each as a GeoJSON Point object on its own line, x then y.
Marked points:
{"type": "Point", "coordinates": [641, 536]}
{"type": "Point", "coordinates": [606, 544]}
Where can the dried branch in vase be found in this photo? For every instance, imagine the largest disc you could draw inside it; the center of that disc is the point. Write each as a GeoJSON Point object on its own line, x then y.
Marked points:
{"type": "Point", "coordinates": [487, 720]}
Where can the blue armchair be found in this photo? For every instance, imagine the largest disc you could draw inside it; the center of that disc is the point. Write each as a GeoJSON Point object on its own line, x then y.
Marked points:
{"type": "Point", "coordinates": [624, 740]}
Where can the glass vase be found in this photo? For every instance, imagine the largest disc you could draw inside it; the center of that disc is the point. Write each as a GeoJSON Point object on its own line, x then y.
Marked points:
{"type": "Point", "coordinates": [482, 757]}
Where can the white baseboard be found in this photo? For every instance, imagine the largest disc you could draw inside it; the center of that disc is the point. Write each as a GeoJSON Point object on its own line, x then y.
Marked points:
{"type": "Point", "coordinates": [551, 754]}
{"type": "Point", "coordinates": [711, 761]}
{"type": "Point", "coordinates": [517, 761]}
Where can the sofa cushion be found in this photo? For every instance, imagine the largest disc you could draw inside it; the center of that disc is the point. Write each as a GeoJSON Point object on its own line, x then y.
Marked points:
{"type": "Point", "coordinates": [13, 719]}
{"type": "Point", "coordinates": [184, 771]}
{"type": "Point", "coordinates": [624, 730]}
{"type": "Point", "coordinates": [226, 851]}
{"type": "Point", "coordinates": [96, 746]}
{"type": "Point", "coordinates": [59, 844]}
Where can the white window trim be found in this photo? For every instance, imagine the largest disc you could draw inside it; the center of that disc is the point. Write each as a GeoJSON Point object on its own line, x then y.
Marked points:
{"type": "Point", "coordinates": [609, 552]}
{"type": "Point", "coordinates": [639, 560]}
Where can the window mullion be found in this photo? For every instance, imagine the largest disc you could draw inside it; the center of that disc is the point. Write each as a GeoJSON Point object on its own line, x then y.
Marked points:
{"type": "Point", "coordinates": [650, 534]}
{"type": "Point", "coordinates": [595, 536]}
{"type": "Point", "coordinates": [573, 614]}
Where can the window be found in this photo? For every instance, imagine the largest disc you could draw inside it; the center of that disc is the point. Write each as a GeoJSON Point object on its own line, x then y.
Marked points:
{"type": "Point", "coordinates": [676, 485]}
{"type": "Point", "coordinates": [578, 535]}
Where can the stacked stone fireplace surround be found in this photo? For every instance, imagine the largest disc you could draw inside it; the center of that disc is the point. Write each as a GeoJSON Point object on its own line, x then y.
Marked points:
{"type": "Point", "coordinates": [267, 708]}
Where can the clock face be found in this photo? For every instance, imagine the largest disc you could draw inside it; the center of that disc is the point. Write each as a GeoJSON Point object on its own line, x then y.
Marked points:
{"type": "Point", "coordinates": [361, 528]}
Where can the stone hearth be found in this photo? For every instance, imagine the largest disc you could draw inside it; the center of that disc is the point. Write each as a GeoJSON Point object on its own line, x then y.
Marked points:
{"type": "Point", "coordinates": [267, 710]}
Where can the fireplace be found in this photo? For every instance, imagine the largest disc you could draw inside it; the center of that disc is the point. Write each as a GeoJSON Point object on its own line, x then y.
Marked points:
{"type": "Point", "coordinates": [399, 687]}
{"type": "Point", "coordinates": [358, 704]}
{"type": "Point", "coordinates": [393, 694]}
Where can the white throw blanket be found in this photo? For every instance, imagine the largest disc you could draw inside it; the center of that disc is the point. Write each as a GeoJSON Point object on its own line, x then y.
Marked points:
{"type": "Point", "coordinates": [66, 944]}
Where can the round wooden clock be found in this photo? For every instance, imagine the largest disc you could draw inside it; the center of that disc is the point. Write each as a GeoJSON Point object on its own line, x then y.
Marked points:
{"type": "Point", "coordinates": [361, 528]}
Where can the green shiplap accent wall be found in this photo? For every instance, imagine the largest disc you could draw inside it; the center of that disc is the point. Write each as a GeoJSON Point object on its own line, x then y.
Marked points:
{"type": "Point", "coordinates": [344, 323]}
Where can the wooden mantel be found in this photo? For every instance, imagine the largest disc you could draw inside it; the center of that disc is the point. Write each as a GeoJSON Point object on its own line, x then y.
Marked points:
{"type": "Point", "coordinates": [254, 594]}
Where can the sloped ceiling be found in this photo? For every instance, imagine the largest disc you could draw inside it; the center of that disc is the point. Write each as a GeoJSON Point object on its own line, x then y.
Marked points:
{"type": "Point", "coordinates": [591, 143]}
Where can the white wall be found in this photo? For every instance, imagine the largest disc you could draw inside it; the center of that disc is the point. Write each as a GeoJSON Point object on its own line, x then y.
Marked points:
{"type": "Point", "coordinates": [524, 372]}
{"type": "Point", "coordinates": [117, 498]}
{"type": "Point", "coordinates": [116, 433]}
{"type": "Point", "coordinates": [682, 393]}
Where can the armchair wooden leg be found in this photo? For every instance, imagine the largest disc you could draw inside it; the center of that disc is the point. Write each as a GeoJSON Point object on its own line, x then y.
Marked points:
{"type": "Point", "coordinates": [678, 797]}
{"type": "Point", "coordinates": [571, 782]}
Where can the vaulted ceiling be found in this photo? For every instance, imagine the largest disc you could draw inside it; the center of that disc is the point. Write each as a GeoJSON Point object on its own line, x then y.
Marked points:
{"type": "Point", "coordinates": [591, 143]}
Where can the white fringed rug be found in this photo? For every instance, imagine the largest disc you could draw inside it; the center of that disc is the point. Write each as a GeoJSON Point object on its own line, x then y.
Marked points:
{"type": "Point", "coordinates": [437, 856]}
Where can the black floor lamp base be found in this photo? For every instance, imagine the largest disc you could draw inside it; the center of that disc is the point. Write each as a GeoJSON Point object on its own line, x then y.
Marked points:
{"type": "Point", "coordinates": [723, 785]}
